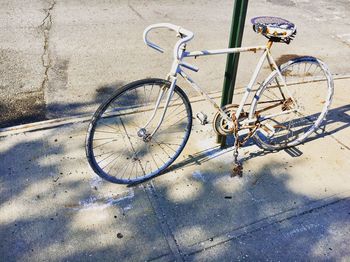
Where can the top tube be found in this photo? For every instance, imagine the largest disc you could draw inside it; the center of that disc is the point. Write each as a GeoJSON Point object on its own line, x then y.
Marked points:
{"type": "Point", "coordinates": [224, 51]}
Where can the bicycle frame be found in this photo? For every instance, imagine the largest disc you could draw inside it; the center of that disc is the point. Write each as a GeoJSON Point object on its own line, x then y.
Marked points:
{"type": "Point", "coordinates": [177, 69]}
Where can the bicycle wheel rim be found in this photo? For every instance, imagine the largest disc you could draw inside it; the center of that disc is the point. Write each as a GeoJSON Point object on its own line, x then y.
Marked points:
{"type": "Point", "coordinates": [143, 174]}
{"type": "Point", "coordinates": [300, 73]}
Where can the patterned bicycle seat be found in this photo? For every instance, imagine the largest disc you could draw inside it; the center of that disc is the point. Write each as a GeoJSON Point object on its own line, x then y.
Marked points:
{"type": "Point", "coordinates": [274, 28]}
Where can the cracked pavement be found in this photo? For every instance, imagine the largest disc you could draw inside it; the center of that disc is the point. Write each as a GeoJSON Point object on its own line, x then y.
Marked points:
{"type": "Point", "coordinates": [46, 59]}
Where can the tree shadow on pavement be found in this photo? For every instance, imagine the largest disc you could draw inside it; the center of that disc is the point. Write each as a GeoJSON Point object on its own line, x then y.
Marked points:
{"type": "Point", "coordinates": [102, 93]}
{"type": "Point", "coordinates": [52, 206]}
{"type": "Point", "coordinates": [261, 216]}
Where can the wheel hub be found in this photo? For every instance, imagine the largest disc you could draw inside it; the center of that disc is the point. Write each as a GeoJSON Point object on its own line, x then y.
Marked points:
{"type": "Point", "coordinates": [146, 137]}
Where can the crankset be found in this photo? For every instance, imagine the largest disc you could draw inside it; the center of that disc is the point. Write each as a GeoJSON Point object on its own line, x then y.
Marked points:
{"type": "Point", "coordinates": [240, 128]}
{"type": "Point", "coordinates": [221, 125]}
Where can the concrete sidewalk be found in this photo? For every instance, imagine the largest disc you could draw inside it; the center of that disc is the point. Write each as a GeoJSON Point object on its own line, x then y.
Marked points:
{"type": "Point", "coordinates": [289, 205]}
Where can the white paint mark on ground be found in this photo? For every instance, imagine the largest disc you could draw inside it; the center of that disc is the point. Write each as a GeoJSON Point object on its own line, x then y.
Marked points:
{"type": "Point", "coordinates": [128, 207]}
{"type": "Point", "coordinates": [198, 176]}
{"type": "Point", "coordinates": [91, 203]}
{"type": "Point", "coordinates": [96, 181]}
{"type": "Point", "coordinates": [102, 203]}
{"type": "Point", "coordinates": [130, 195]}
{"type": "Point", "coordinates": [302, 229]}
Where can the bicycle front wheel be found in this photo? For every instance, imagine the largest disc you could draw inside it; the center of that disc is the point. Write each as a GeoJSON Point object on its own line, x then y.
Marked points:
{"type": "Point", "coordinates": [289, 114]}
{"type": "Point", "coordinates": [116, 146]}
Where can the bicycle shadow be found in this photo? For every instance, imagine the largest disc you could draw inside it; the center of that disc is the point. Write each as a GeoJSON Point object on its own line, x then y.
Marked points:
{"type": "Point", "coordinates": [337, 120]}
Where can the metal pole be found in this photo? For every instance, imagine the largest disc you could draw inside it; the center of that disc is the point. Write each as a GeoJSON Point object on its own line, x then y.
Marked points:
{"type": "Point", "coordinates": [236, 34]}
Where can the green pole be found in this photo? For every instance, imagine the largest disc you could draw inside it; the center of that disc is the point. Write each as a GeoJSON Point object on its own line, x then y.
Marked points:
{"type": "Point", "coordinates": [236, 34]}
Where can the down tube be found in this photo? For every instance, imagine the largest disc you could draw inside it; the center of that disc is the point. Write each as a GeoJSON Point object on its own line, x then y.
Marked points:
{"type": "Point", "coordinates": [204, 94]}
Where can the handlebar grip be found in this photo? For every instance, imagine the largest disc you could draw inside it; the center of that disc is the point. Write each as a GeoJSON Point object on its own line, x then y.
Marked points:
{"type": "Point", "coordinates": [156, 47]}
{"type": "Point", "coordinates": [154, 26]}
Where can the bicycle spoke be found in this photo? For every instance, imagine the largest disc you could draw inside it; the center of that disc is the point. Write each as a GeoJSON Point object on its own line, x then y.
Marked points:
{"type": "Point", "coordinates": [166, 144]}
{"type": "Point", "coordinates": [113, 153]}
{"type": "Point", "coordinates": [114, 159]}
{"type": "Point", "coordinates": [113, 140]}
{"type": "Point", "coordinates": [162, 148]}
{"type": "Point", "coordinates": [184, 117]}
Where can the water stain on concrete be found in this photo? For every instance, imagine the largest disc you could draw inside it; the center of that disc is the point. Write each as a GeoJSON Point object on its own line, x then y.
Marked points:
{"type": "Point", "coordinates": [22, 108]}
{"type": "Point", "coordinates": [58, 75]}
{"type": "Point", "coordinates": [21, 98]}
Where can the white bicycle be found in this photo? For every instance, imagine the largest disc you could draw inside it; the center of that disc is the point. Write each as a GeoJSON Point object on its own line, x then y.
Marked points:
{"type": "Point", "coordinates": [140, 131]}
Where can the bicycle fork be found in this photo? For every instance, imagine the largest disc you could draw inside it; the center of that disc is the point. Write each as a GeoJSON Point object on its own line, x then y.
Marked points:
{"type": "Point", "coordinates": [143, 131]}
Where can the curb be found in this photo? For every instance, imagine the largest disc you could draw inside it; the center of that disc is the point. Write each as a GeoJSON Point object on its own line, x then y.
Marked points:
{"type": "Point", "coordinates": [57, 122]}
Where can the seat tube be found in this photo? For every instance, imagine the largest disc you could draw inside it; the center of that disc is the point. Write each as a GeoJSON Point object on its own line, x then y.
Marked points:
{"type": "Point", "coordinates": [251, 82]}
{"type": "Point", "coordinates": [281, 77]}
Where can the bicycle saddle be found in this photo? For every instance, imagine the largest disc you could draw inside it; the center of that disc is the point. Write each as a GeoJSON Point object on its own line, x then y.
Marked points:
{"type": "Point", "coordinates": [274, 28]}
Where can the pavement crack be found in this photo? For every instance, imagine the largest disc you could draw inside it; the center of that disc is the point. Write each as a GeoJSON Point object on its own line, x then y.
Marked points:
{"type": "Point", "coordinates": [45, 57]}
{"type": "Point", "coordinates": [265, 223]}
{"type": "Point", "coordinates": [165, 227]}
{"type": "Point", "coordinates": [135, 11]}
{"type": "Point", "coordinates": [339, 142]}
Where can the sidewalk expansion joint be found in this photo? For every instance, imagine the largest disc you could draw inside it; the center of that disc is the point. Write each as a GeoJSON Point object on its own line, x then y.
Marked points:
{"type": "Point", "coordinates": [337, 141]}
{"type": "Point", "coordinates": [265, 223]}
{"type": "Point", "coordinates": [171, 241]}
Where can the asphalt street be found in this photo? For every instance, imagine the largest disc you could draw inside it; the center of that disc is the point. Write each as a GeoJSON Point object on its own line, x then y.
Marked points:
{"type": "Point", "coordinates": [62, 58]}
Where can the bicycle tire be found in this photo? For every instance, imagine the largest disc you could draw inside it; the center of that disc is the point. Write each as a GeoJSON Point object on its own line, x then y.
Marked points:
{"type": "Point", "coordinates": [300, 74]}
{"type": "Point", "coordinates": [117, 116]}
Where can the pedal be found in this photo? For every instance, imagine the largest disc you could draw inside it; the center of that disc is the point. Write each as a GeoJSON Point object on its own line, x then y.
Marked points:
{"type": "Point", "coordinates": [203, 118]}
{"type": "Point", "coordinates": [267, 130]}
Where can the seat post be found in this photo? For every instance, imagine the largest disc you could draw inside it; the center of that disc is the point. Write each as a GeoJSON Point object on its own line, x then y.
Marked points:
{"type": "Point", "coordinates": [269, 44]}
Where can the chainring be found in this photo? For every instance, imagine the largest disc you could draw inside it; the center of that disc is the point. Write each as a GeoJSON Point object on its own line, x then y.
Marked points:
{"type": "Point", "coordinates": [220, 125]}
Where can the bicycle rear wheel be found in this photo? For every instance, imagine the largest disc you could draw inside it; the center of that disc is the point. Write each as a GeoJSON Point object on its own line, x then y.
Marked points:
{"type": "Point", "coordinates": [114, 147]}
{"type": "Point", "coordinates": [288, 115]}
